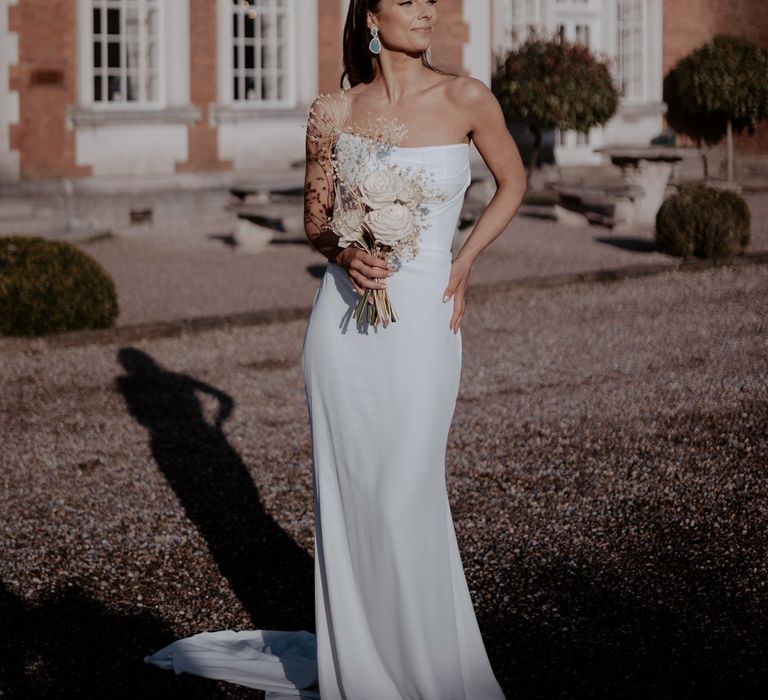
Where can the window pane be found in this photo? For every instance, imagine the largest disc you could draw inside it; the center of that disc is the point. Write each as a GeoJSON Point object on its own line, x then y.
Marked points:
{"type": "Point", "coordinates": [131, 87]}
{"type": "Point", "coordinates": [131, 53]}
{"type": "Point", "coordinates": [97, 54]}
{"type": "Point", "coordinates": [113, 21]}
{"type": "Point", "coordinates": [151, 86]}
{"type": "Point", "coordinates": [115, 94]}
{"type": "Point", "coordinates": [97, 96]}
{"type": "Point", "coordinates": [151, 56]}
{"type": "Point", "coordinates": [151, 22]}
{"type": "Point", "coordinates": [96, 20]}
{"type": "Point", "coordinates": [131, 18]}
{"type": "Point", "coordinates": [113, 55]}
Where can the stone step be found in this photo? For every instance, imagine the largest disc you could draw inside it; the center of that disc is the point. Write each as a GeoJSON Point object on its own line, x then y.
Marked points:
{"type": "Point", "coordinates": [33, 226]}
{"type": "Point", "coordinates": [52, 228]}
{"type": "Point", "coordinates": [15, 209]}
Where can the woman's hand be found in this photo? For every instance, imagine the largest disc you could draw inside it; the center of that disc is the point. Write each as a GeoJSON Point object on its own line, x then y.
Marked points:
{"type": "Point", "coordinates": [364, 270]}
{"type": "Point", "coordinates": [461, 268]}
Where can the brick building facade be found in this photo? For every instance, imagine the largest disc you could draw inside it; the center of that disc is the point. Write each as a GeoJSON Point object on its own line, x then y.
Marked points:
{"type": "Point", "coordinates": [175, 91]}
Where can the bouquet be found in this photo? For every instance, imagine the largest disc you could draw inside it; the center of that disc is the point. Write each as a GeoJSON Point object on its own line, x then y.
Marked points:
{"type": "Point", "coordinates": [380, 210]}
{"type": "Point", "coordinates": [378, 206]}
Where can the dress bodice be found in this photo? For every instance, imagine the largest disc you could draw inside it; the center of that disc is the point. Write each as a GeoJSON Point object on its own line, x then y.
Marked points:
{"type": "Point", "coordinates": [447, 166]}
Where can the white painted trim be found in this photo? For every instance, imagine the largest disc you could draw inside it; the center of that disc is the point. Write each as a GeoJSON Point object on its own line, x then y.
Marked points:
{"type": "Point", "coordinates": [177, 38]}
{"type": "Point", "coordinates": [10, 164]}
{"type": "Point", "coordinates": [476, 58]}
{"type": "Point", "coordinates": [344, 10]}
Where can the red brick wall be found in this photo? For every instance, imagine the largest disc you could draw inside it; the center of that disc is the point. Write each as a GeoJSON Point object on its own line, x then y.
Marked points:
{"type": "Point", "coordinates": [203, 76]}
{"type": "Point", "coordinates": [690, 23]}
{"type": "Point", "coordinates": [451, 35]}
{"type": "Point", "coordinates": [46, 80]}
{"type": "Point", "coordinates": [329, 60]}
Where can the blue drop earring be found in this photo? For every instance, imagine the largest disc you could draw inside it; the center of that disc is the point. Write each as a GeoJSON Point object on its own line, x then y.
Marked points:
{"type": "Point", "coordinates": [375, 45]}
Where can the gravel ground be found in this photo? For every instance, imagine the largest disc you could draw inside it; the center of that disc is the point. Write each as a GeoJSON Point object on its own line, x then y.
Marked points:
{"type": "Point", "coordinates": [606, 470]}
{"type": "Point", "coordinates": [184, 270]}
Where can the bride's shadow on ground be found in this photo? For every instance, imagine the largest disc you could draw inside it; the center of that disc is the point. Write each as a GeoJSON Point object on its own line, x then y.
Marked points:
{"type": "Point", "coordinates": [69, 644]}
{"type": "Point", "coordinates": [271, 575]}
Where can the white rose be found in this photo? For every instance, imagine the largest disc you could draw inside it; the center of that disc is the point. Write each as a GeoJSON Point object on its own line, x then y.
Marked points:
{"type": "Point", "coordinates": [381, 188]}
{"type": "Point", "coordinates": [348, 224]}
{"type": "Point", "coordinates": [411, 194]}
{"type": "Point", "coordinates": [390, 224]}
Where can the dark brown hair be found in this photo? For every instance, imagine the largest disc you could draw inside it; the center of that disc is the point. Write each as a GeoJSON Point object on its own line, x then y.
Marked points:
{"type": "Point", "coordinates": [359, 64]}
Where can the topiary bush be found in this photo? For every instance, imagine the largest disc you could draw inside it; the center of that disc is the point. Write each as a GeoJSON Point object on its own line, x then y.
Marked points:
{"type": "Point", "coordinates": [703, 222]}
{"type": "Point", "coordinates": [542, 83]}
{"type": "Point", "coordinates": [722, 83]}
{"type": "Point", "coordinates": [52, 286]}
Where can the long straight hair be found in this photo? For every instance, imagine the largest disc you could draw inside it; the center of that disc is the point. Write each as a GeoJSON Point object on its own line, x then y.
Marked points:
{"type": "Point", "coordinates": [359, 62]}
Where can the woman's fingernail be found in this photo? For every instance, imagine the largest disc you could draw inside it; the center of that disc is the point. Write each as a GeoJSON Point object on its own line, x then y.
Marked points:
{"type": "Point", "coordinates": [445, 298]}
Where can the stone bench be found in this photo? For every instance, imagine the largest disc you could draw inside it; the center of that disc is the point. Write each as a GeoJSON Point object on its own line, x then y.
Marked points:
{"type": "Point", "coordinates": [648, 168]}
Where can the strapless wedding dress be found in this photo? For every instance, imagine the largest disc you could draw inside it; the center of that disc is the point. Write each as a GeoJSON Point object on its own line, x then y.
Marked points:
{"type": "Point", "coordinates": [394, 617]}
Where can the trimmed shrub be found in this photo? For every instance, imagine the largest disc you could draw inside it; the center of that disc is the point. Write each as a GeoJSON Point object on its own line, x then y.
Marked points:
{"type": "Point", "coordinates": [723, 80]}
{"type": "Point", "coordinates": [703, 222]}
{"type": "Point", "coordinates": [549, 83]}
{"type": "Point", "coordinates": [50, 287]}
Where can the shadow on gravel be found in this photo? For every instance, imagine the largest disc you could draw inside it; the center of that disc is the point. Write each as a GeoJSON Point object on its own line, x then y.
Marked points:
{"type": "Point", "coordinates": [636, 245]}
{"type": "Point", "coordinates": [670, 623]}
{"type": "Point", "coordinates": [271, 575]}
{"type": "Point", "coordinates": [72, 646]}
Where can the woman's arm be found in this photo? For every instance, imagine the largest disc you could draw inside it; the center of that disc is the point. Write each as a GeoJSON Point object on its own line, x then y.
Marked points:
{"type": "Point", "coordinates": [490, 135]}
{"type": "Point", "coordinates": [327, 116]}
{"type": "Point", "coordinates": [499, 151]}
{"type": "Point", "coordinates": [319, 193]}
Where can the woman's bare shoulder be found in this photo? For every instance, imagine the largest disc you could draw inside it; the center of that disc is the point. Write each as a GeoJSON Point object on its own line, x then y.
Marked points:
{"type": "Point", "coordinates": [329, 111]}
{"type": "Point", "coordinates": [329, 101]}
{"type": "Point", "coordinates": [468, 93]}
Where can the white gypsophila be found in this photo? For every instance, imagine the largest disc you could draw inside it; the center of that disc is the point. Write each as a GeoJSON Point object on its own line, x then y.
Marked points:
{"type": "Point", "coordinates": [411, 194]}
{"type": "Point", "coordinates": [348, 225]}
{"type": "Point", "coordinates": [390, 224]}
{"type": "Point", "coordinates": [381, 187]}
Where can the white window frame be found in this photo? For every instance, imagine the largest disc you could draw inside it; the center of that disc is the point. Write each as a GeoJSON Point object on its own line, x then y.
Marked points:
{"type": "Point", "coordinates": [226, 67]}
{"type": "Point", "coordinates": [521, 22]}
{"type": "Point", "coordinates": [87, 72]}
{"type": "Point", "coordinates": [577, 5]}
{"type": "Point", "coordinates": [642, 58]}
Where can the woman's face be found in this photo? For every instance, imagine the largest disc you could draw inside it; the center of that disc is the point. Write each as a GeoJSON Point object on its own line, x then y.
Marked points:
{"type": "Point", "coordinates": [405, 25]}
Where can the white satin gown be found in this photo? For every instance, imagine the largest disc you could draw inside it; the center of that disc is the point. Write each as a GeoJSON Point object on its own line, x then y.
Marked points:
{"type": "Point", "coordinates": [394, 616]}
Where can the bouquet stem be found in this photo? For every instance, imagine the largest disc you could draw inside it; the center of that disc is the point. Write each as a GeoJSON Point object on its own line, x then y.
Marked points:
{"type": "Point", "coordinates": [376, 306]}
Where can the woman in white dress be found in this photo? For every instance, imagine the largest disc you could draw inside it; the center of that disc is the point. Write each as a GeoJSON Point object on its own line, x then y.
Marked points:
{"type": "Point", "coordinates": [394, 617]}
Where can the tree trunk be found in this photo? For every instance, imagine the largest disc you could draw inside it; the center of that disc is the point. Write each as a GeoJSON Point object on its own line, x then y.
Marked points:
{"type": "Point", "coordinates": [729, 147]}
{"type": "Point", "coordinates": [704, 160]}
{"type": "Point", "coordinates": [533, 159]}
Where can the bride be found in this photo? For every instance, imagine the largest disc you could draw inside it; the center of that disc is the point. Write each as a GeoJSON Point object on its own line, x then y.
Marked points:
{"type": "Point", "coordinates": [387, 169]}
